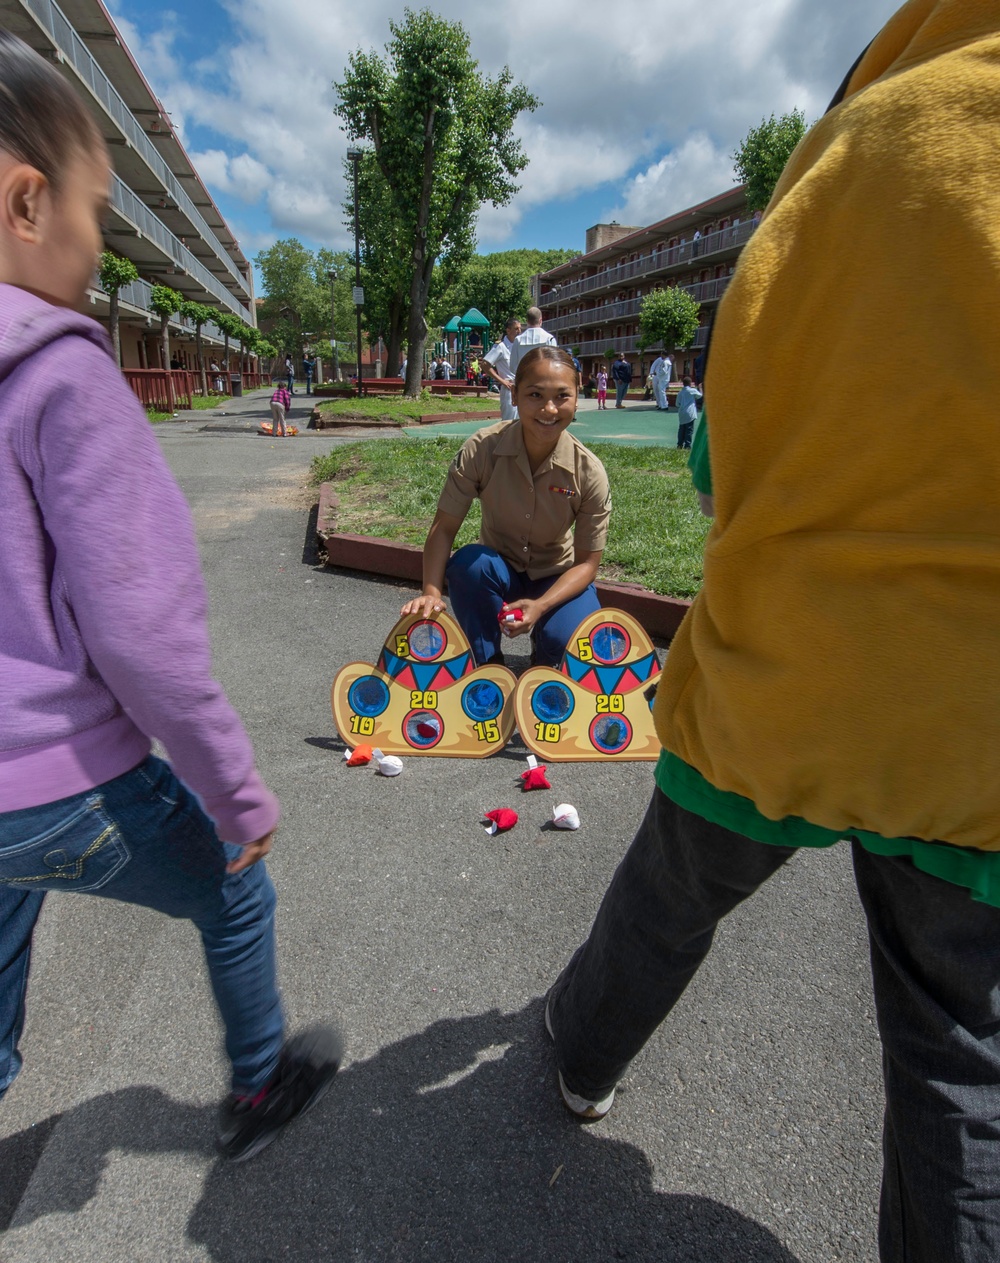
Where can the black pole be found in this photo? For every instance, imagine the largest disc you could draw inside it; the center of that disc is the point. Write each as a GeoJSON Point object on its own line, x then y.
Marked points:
{"type": "Point", "coordinates": [357, 262]}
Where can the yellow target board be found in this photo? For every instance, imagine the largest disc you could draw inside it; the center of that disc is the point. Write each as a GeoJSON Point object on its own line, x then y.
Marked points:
{"type": "Point", "coordinates": [425, 695]}
{"type": "Point", "coordinates": [598, 704]}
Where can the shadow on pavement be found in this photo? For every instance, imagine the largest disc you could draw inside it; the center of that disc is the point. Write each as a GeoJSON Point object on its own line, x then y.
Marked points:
{"type": "Point", "coordinates": [447, 1145]}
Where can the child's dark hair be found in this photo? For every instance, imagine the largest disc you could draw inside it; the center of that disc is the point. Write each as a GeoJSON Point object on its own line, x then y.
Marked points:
{"type": "Point", "coordinates": [554, 353]}
{"type": "Point", "coordinates": [43, 122]}
{"type": "Point", "coordinates": [685, 381]}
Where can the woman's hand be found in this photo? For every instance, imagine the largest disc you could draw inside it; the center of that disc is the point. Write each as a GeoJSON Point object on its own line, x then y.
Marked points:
{"type": "Point", "coordinates": [425, 606]}
{"type": "Point", "coordinates": [531, 612]}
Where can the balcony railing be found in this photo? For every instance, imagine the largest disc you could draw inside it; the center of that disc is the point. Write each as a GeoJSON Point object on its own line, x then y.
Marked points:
{"type": "Point", "coordinates": [686, 253]}
{"type": "Point", "coordinates": [701, 292]}
{"type": "Point", "coordinates": [142, 218]}
{"type": "Point", "coordinates": [138, 294]}
{"type": "Point", "coordinates": [628, 346]}
{"type": "Point", "coordinates": [65, 38]}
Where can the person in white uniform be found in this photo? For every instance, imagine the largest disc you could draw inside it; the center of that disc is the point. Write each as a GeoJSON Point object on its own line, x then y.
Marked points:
{"type": "Point", "coordinates": [534, 335]}
{"type": "Point", "coordinates": [662, 371]}
{"type": "Point", "coordinates": [497, 361]}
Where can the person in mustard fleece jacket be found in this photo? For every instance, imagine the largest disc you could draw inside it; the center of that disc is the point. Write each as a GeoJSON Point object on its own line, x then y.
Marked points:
{"type": "Point", "coordinates": [838, 676]}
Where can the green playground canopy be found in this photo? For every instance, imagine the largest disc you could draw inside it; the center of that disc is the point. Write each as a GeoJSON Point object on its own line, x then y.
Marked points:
{"type": "Point", "coordinates": [453, 325]}
{"type": "Point", "coordinates": [474, 319]}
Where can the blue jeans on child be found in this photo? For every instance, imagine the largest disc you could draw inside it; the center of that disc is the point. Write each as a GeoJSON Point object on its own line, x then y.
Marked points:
{"type": "Point", "coordinates": [480, 582]}
{"type": "Point", "coordinates": [144, 839]}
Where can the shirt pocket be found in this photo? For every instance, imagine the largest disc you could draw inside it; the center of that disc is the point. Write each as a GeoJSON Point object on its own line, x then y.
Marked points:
{"type": "Point", "coordinates": [82, 851]}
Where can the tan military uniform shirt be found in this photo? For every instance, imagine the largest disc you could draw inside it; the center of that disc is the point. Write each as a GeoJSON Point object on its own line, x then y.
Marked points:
{"type": "Point", "coordinates": [534, 521]}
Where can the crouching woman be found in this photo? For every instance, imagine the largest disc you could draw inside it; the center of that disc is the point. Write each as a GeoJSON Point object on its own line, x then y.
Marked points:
{"type": "Point", "coordinates": [545, 510]}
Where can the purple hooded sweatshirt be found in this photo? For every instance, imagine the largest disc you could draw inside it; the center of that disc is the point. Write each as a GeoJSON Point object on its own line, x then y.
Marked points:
{"type": "Point", "coordinates": [103, 635]}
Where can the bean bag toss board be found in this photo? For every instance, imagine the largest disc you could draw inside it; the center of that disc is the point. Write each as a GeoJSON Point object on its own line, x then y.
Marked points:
{"type": "Point", "coordinates": [425, 695]}
{"type": "Point", "coordinates": [599, 703]}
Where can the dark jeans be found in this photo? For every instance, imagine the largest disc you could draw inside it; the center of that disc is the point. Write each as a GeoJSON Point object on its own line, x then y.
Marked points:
{"type": "Point", "coordinates": [143, 838]}
{"type": "Point", "coordinates": [684, 432]}
{"type": "Point", "coordinates": [621, 390]}
{"type": "Point", "coordinates": [480, 581]}
{"type": "Point", "coordinates": [936, 970]}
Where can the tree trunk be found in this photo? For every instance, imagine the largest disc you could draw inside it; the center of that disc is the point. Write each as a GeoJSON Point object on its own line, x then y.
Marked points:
{"type": "Point", "coordinates": [423, 270]}
{"type": "Point", "coordinates": [113, 326]}
{"type": "Point", "coordinates": [394, 342]}
{"type": "Point", "coordinates": [165, 355]}
{"type": "Point", "coordinates": [201, 361]}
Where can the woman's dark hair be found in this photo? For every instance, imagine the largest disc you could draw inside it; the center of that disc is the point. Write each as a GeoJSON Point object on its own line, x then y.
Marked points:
{"type": "Point", "coordinates": [554, 353]}
{"type": "Point", "coordinates": [43, 122]}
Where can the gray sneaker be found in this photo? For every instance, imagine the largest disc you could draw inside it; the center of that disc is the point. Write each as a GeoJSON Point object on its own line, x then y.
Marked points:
{"type": "Point", "coordinates": [587, 1111]}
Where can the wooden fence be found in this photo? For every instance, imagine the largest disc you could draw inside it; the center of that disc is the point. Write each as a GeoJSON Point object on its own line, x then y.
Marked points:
{"type": "Point", "coordinates": [152, 387]}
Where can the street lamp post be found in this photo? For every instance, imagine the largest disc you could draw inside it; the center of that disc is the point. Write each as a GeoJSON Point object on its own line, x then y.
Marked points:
{"type": "Point", "coordinates": [331, 276]}
{"type": "Point", "coordinates": [359, 294]}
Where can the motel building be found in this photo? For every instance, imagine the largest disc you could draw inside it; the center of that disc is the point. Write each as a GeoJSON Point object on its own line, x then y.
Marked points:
{"type": "Point", "coordinates": [591, 304]}
{"type": "Point", "coordinates": [162, 216]}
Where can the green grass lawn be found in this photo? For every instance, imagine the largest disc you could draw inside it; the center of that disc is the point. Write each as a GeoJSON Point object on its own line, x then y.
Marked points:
{"type": "Point", "coordinates": [198, 404]}
{"type": "Point", "coordinates": [390, 488]}
{"type": "Point", "coordinates": [404, 411]}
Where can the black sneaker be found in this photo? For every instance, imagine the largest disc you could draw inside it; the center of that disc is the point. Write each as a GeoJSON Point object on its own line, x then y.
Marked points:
{"type": "Point", "coordinates": [305, 1071]}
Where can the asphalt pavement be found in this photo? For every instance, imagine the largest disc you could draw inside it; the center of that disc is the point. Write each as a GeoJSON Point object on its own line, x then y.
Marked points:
{"type": "Point", "coordinates": [748, 1129]}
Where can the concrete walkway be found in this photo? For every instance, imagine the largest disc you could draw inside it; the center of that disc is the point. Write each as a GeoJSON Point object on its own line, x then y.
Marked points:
{"type": "Point", "coordinates": [747, 1132]}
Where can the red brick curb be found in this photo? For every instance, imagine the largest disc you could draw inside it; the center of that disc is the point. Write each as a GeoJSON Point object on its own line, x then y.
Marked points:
{"type": "Point", "coordinates": [436, 418]}
{"type": "Point", "coordinates": [659, 615]}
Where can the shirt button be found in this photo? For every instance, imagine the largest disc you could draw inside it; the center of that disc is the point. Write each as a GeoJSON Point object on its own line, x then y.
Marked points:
{"type": "Point", "coordinates": [525, 548]}
{"type": "Point", "coordinates": [528, 515]}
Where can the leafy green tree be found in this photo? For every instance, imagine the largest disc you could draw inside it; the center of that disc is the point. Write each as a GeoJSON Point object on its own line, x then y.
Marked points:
{"type": "Point", "coordinates": [232, 327]}
{"type": "Point", "coordinates": [669, 318]}
{"type": "Point", "coordinates": [114, 272]}
{"type": "Point", "coordinates": [199, 314]}
{"type": "Point", "coordinates": [763, 153]}
{"type": "Point", "coordinates": [498, 285]}
{"type": "Point", "coordinates": [385, 262]}
{"type": "Point", "coordinates": [442, 135]}
{"type": "Point", "coordinates": [165, 302]}
{"type": "Point", "coordinates": [297, 294]}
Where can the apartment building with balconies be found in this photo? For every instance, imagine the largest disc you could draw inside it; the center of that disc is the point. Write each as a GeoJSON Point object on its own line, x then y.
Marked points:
{"type": "Point", "coordinates": [592, 303]}
{"type": "Point", "coordinates": [162, 216]}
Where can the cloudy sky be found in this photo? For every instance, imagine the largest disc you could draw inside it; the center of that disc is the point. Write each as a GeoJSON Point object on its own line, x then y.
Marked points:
{"type": "Point", "coordinates": [643, 104]}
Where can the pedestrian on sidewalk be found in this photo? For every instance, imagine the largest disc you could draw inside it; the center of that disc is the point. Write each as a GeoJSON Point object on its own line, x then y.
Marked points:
{"type": "Point", "coordinates": [289, 375]}
{"type": "Point", "coordinates": [621, 373]}
{"type": "Point", "coordinates": [687, 411]}
{"type": "Point", "coordinates": [662, 372]}
{"type": "Point", "coordinates": [308, 370]}
{"type": "Point", "coordinates": [602, 388]}
{"type": "Point", "coordinates": [102, 653]}
{"type": "Point", "coordinates": [837, 676]}
{"type": "Point", "coordinates": [281, 402]}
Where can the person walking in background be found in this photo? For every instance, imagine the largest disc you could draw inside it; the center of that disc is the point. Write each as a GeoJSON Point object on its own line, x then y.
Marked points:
{"type": "Point", "coordinates": [837, 677]}
{"type": "Point", "coordinates": [602, 388]}
{"type": "Point", "coordinates": [662, 370]}
{"type": "Point", "coordinates": [687, 412]}
{"type": "Point", "coordinates": [533, 335]}
{"type": "Point", "coordinates": [289, 375]}
{"type": "Point", "coordinates": [445, 369]}
{"type": "Point", "coordinates": [497, 362]}
{"type": "Point", "coordinates": [621, 373]}
{"type": "Point", "coordinates": [402, 368]}
{"type": "Point", "coordinates": [308, 369]}
{"type": "Point", "coordinates": [102, 656]}
{"type": "Point", "coordinates": [217, 382]}
{"type": "Point", "coordinates": [281, 402]}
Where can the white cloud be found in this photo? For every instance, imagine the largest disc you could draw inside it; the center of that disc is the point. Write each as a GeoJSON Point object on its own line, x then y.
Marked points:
{"type": "Point", "coordinates": [659, 92]}
{"type": "Point", "coordinates": [690, 174]}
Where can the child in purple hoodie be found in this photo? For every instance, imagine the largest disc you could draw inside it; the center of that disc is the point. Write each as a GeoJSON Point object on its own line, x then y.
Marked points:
{"type": "Point", "coordinates": [98, 653]}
